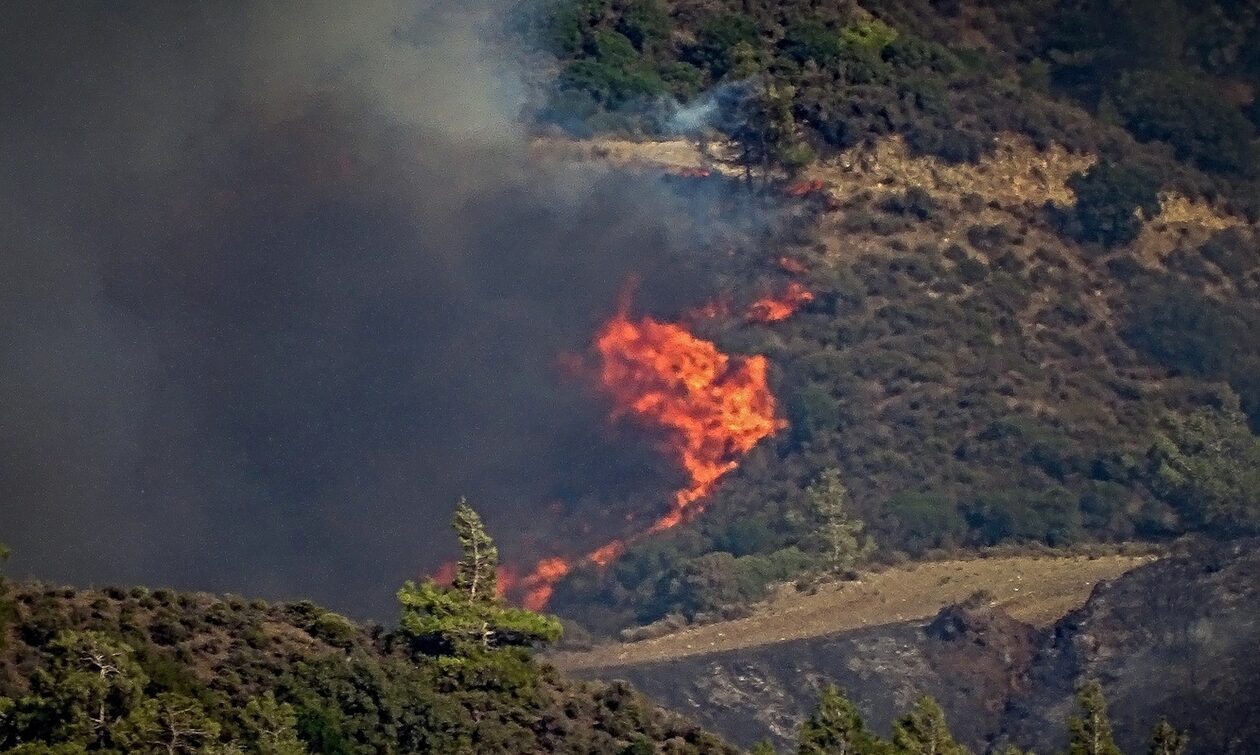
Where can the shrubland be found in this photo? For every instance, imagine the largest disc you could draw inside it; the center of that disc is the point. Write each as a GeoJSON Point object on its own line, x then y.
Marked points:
{"type": "Point", "coordinates": [980, 365]}
{"type": "Point", "coordinates": [158, 671]}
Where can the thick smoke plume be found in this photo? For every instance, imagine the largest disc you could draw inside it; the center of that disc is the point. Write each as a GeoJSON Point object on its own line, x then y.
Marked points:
{"type": "Point", "coordinates": [280, 284]}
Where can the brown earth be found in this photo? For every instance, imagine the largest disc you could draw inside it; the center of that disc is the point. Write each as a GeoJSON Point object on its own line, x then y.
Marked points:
{"type": "Point", "coordinates": [1034, 589]}
{"type": "Point", "coordinates": [1174, 637]}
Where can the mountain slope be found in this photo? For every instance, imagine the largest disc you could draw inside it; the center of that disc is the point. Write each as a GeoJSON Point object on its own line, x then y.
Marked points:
{"type": "Point", "coordinates": [1036, 590]}
{"type": "Point", "coordinates": [1170, 638]}
{"type": "Point", "coordinates": [223, 670]}
{"type": "Point", "coordinates": [976, 375]}
{"type": "Point", "coordinates": [1176, 638]}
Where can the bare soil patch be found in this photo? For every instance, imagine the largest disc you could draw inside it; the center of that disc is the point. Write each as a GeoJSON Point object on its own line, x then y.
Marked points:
{"type": "Point", "coordinates": [1034, 589]}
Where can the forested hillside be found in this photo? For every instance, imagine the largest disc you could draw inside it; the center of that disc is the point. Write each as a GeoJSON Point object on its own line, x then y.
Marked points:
{"type": "Point", "coordinates": [158, 671]}
{"type": "Point", "coordinates": [1030, 234]}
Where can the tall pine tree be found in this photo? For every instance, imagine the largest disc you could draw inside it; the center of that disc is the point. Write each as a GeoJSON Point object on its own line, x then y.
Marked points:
{"type": "Point", "coordinates": [836, 728]}
{"type": "Point", "coordinates": [923, 731]}
{"type": "Point", "coordinates": [843, 544]}
{"type": "Point", "coordinates": [476, 575]}
{"type": "Point", "coordinates": [468, 615]}
{"type": "Point", "coordinates": [1091, 730]}
{"type": "Point", "coordinates": [1166, 740]}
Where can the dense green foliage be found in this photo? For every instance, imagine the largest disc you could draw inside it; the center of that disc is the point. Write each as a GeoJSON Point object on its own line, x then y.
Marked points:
{"type": "Point", "coordinates": [947, 76]}
{"type": "Point", "coordinates": [159, 672]}
{"type": "Point", "coordinates": [1207, 465]}
{"type": "Point", "coordinates": [1177, 323]}
{"type": "Point", "coordinates": [1091, 729]}
{"type": "Point", "coordinates": [1111, 202]}
{"type": "Point", "coordinates": [1168, 741]}
{"type": "Point", "coordinates": [836, 726]}
{"type": "Point", "coordinates": [468, 617]}
{"type": "Point", "coordinates": [849, 76]}
{"type": "Point", "coordinates": [1159, 67]}
{"type": "Point", "coordinates": [923, 731]}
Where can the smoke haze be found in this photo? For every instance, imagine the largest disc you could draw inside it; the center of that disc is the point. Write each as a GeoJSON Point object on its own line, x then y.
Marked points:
{"type": "Point", "coordinates": [279, 285]}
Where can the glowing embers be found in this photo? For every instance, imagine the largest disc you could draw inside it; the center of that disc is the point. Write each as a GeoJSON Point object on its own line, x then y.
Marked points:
{"type": "Point", "coordinates": [775, 308]}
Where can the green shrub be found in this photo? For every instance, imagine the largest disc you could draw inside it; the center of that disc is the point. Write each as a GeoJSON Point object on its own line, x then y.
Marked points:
{"type": "Point", "coordinates": [1111, 201]}
{"type": "Point", "coordinates": [717, 36]}
{"type": "Point", "coordinates": [1191, 116]}
{"type": "Point", "coordinates": [920, 521]}
{"type": "Point", "coordinates": [1181, 328]}
{"type": "Point", "coordinates": [811, 40]}
{"type": "Point", "coordinates": [1207, 466]}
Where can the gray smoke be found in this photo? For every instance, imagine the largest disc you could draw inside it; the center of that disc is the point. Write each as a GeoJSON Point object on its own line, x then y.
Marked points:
{"type": "Point", "coordinates": [280, 284]}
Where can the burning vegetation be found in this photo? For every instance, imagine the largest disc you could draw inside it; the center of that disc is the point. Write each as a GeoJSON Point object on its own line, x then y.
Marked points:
{"type": "Point", "coordinates": [710, 409]}
{"type": "Point", "coordinates": [781, 307]}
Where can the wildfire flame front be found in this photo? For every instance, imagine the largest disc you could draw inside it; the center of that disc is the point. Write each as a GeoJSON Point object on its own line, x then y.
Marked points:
{"type": "Point", "coordinates": [709, 407]}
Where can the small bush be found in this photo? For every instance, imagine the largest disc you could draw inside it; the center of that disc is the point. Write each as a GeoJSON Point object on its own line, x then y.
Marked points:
{"type": "Point", "coordinates": [1111, 201]}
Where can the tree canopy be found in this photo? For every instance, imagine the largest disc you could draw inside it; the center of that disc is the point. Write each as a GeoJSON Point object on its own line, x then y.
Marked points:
{"type": "Point", "coordinates": [469, 614]}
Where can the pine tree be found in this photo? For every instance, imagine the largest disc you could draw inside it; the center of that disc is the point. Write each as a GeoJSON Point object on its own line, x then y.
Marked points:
{"type": "Point", "coordinates": [923, 731]}
{"type": "Point", "coordinates": [843, 544]}
{"type": "Point", "coordinates": [468, 616]}
{"type": "Point", "coordinates": [168, 723]}
{"type": "Point", "coordinates": [762, 748]}
{"type": "Point", "coordinates": [1166, 740]}
{"type": "Point", "coordinates": [1091, 731]}
{"type": "Point", "coordinates": [836, 728]}
{"type": "Point", "coordinates": [271, 727]}
{"type": "Point", "coordinates": [86, 689]}
{"type": "Point", "coordinates": [764, 122]}
{"type": "Point", "coordinates": [476, 574]}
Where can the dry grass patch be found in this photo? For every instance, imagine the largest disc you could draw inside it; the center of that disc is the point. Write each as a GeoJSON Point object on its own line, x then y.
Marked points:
{"type": "Point", "coordinates": [1036, 589]}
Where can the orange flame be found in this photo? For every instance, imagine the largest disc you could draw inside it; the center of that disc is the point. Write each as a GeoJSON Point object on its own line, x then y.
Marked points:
{"type": "Point", "coordinates": [506, 582]}
{"type": "Point", "coordinates": [773, 309]}
{"type": "Point", "coordinates": [804, 188]}
{"type": "Point", "coordinates": [792, 265]}
{"type": "Point", "coordinates": [711, 408]}
{"type": "Point", "coordinates": [604, 555]}
{"type": "Point", "coordinates": [445, 573]}
{"type": "Point", "coordinates": [540, 584]}
{"type": "Point", "coordinates": [713, 310]}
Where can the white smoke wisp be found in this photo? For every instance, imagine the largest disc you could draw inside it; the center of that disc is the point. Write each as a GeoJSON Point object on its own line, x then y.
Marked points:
{"type": "Point", "coordinates": [717, 109]}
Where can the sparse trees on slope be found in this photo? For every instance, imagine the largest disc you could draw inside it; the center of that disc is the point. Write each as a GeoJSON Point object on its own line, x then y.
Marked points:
{"type": "Point", "coordinates": [1091, 730]}
{"type": "Point", "coordinates": [923, 731]}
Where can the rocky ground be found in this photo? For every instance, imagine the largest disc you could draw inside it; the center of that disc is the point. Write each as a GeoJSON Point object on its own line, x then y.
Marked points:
{"type": "Point", "coordinates": [1173, 638]}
